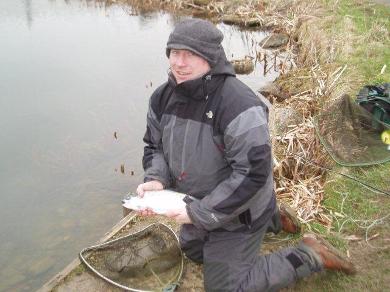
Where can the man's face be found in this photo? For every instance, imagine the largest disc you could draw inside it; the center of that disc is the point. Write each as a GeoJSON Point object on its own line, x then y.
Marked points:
{"type": "Point", "coordinates": [186, 65]}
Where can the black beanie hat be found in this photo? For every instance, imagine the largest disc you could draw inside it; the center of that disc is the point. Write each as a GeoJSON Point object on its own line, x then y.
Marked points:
{"type": "Point", "coordinates": [198, 36]}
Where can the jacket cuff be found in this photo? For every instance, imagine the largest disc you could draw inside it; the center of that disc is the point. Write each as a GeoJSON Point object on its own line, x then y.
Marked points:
{"type": "Point", "coordinates": [192, 217]}
{"type": "Point", "coordinates": [201, 218]}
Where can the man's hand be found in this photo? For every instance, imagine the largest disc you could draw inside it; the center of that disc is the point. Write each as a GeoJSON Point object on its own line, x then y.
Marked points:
{"type": "Point", "coordinates": [153, 185]}
{"type": "Point", "coordinates": [180, 215]}
{"type": "Point", "coordinates": [146, 212]}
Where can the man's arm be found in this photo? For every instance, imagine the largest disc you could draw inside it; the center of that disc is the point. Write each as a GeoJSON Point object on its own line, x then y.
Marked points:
{"type": "Point", "coordinates": [154, 164]}
{"type": "Point", "coordinates": [248, 151]}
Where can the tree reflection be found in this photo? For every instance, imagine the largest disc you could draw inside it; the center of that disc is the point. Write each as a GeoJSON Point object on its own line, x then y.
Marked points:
{"type": "Point", "coordinates": [29, 18]}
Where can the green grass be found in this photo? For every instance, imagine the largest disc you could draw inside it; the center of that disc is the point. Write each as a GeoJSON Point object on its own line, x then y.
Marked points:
{"type": "Point", "coordinates": [350, 203]}
{"type": "Point", "coordinates": [352, 206]}
{"type": "Point", "coordinates": [367, 27]}
{"type": "Point", "coordinates": [317, 228]}
{"type": "Point", "coordinates": [370, 33]}
{"type": "Point", "coordinates": [347, 204]}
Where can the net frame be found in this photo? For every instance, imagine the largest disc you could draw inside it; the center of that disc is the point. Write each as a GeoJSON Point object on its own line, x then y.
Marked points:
{"type": "Point", "coordinates": [168, 287]}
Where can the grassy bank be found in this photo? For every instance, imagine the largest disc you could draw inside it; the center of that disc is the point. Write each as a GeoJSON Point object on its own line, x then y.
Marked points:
{"type": "Point", "coordinates": [354, 35]}
{"type": "Point", "coordinates": [370, 38]}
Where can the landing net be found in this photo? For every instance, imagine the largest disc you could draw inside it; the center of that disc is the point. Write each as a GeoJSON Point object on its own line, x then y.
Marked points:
{"type": "Point", "coordinates": [148, 260]}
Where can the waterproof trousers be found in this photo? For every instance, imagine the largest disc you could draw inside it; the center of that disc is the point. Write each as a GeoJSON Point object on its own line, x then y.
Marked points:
{"type": "Point", "coordinates": [231, 260]}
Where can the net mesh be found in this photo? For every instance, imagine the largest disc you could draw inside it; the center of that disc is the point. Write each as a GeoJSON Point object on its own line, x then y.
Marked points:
{"type": "Point", "coordinates": [351, 135]}
{"type": "Point", "coordinates": [149, 260]}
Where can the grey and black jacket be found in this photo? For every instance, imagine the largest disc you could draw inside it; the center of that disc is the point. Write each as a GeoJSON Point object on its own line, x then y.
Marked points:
{"type": "Point", "coordinates": [208, 138]}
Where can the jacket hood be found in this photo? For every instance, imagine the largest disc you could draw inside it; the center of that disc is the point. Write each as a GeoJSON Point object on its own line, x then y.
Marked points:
{"type": "Point", "coordinates": [223, 66]}
{"type": "Point", "coordinates": [202, 87]}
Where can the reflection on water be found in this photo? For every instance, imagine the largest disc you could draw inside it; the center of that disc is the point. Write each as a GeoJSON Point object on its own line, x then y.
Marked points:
{"type": "Point", "coordinates": [28, 12]}
{"type": "Point", "coordinates": [73, 73]}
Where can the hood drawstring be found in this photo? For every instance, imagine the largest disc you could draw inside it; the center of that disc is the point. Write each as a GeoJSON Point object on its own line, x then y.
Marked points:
{"type": "Point", "coordinates": [205, 89]}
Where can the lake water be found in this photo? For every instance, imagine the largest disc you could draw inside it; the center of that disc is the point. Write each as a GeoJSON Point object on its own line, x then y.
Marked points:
{"type": "Point", "coordinates": [73, 73]}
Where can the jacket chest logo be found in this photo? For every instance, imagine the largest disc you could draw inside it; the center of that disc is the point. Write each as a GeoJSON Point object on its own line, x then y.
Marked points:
{"type": "Point", "coordinates": [209, 114]}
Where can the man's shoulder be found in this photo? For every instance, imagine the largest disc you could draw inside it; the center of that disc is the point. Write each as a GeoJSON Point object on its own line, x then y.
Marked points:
{"type": "Point", "coordinates": [237, 99]}
{"type": "Point", "coordinates": [236, 92]}
{"type": "Point", "coordinates": [158, 97]}
{"type": "Point", "coordinates": [159, 90]}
